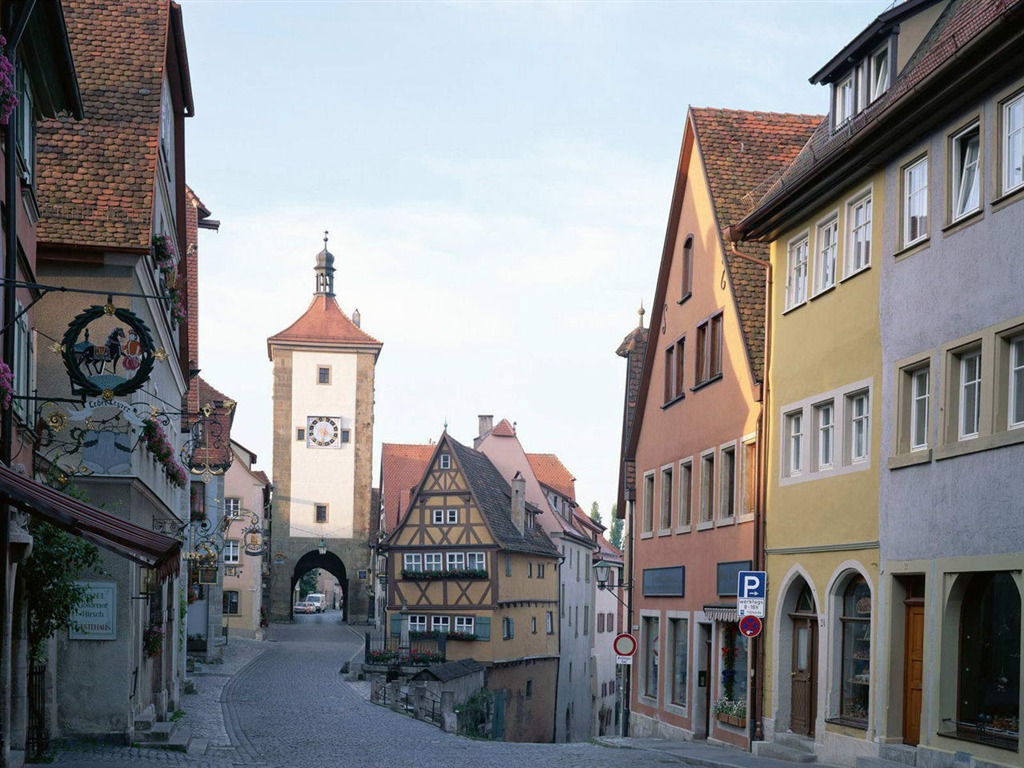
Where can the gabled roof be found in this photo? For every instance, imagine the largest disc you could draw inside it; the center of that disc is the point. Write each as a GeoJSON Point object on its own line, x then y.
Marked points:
{"type": "Point", "coordinates": [401, 469]}
{"type": "Point", "coordinates": [740, 150]}
{"type": "Point", "coordinates": [260, 475]}
{"type": "Point", "coordinates": [972, 45]}
{"type": "Point", "coordinates": [494, 498]}
{"type": "Point", "coordinates": [324, 324]}
{"type": "Point", "coordinates": [97, 177]}
{"type": "Point", "coordinates": [504, 429]}
{"type": "Point", "coordinates": [550, 471]}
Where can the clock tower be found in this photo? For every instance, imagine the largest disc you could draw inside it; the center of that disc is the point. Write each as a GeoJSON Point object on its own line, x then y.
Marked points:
{"type": "Point", "coordinates": [323, 444]}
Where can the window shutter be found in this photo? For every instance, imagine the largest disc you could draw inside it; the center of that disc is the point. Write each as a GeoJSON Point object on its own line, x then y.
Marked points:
{"type": "Point", "coordinates": [483, 627]}
{"type": "Point", "coordinates": [396, 625]}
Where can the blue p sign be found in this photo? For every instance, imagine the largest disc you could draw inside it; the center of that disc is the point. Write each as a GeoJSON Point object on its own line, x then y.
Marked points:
{"type": "Point", "coordinates": [751, 584]}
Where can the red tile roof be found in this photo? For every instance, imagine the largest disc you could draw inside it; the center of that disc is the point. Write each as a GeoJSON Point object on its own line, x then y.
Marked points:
{"type": "Point", "coordinates": [401, 469]}
{"type": "Point", "coordinates": [324, 323]}
{"type": "Point", "coordinates": [260, 475]}
{"type": "Point", "coordinates": [550, 471]}
{"type": "Point", "coordinates": [216, 449]}
{"type": "Point", "coordinates": [504, 429]}
{"type": "Point", "coordinates": [740, 151]}
{"type": "Point", "coordinates": [96, 178]}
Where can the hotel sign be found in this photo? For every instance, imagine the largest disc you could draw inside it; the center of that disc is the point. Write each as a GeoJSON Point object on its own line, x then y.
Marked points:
{"type": "Point", "coordinates": [96, 619]}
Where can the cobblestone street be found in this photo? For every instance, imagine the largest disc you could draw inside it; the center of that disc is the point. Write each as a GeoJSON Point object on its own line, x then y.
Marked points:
{"type": "Point", "coordinates": [284, 704]}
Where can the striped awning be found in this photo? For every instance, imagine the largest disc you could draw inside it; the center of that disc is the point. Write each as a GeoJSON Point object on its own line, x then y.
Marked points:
{"type": "Point", "coordinates": [146, 547]}
{"type": "Point", "coordinates": [719, 612]}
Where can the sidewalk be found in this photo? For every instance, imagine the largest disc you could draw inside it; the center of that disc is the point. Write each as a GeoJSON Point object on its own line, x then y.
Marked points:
{"type": "Point", "coordinates": [700, 753]}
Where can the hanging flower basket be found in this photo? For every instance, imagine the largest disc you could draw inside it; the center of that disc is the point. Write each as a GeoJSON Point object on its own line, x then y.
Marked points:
{"type": "Point", "coordinates": [153, 640]}
{"type": "Point", "coordinates": [8, 92]}
{"type": "Point", "coordinates": [159, 445]}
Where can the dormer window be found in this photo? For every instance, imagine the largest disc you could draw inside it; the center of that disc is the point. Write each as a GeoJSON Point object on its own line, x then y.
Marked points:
{"type": "Point", "coordinates": [446, 461]}
{"type": "Point", "coordinates": [878, 73]}
{"type": "Point", "coordinates": [845, 101]}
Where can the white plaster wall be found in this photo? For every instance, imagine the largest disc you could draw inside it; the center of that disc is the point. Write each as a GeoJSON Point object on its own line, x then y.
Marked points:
{"type": "Point", "coordinates": [323, 475]}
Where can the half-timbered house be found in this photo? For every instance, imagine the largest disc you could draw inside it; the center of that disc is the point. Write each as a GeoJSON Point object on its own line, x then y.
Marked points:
{"type": "Point", "coordinates": [468, 562]}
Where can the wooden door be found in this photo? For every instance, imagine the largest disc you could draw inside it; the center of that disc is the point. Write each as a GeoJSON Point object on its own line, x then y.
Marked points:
{"type": "Point", "coordinates": [913, 666]}
{"type": "Point", "coordinates": [804, 651]}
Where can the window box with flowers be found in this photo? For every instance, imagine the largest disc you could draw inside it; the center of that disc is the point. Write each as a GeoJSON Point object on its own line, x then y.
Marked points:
{"type": "Point", "coordinates": [155, 439]}
{"type": "Point", "coordinates": [456, 573]}
{"type": "Point", "coordinates": [152, 640]}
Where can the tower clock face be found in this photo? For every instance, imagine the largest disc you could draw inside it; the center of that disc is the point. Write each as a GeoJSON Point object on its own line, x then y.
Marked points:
{"type": "Point", "coordinates": [323, 431]}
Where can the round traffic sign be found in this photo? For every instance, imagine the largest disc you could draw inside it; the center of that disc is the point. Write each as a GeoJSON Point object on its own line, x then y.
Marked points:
{"type": "Point", "coordinates": [624, 645]}
{"type": "Point", "coordinates": [750, 626]}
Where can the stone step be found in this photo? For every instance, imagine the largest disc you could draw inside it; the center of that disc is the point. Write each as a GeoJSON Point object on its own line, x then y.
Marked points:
{"type": "Point", "coordinates": [898, 753]}
{"type": "Point", "coordinates": [794, 741]}
{"type": "Point", "coordinates": [780, 752]}
{"type": "Point", "coordinates": [145, 719]}
{"type": "Point", "coordinates": [198, 747]}
{"type": "Point", "coordinates": [180, 739]}
{"type": "Point", "coordinates": [160, 732]}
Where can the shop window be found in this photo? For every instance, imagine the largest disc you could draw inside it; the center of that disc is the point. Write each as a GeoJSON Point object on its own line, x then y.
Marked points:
{"type": "Point", "coordinates": [856, 671]}
{"type": "Point", "coordinates": [650, 650]}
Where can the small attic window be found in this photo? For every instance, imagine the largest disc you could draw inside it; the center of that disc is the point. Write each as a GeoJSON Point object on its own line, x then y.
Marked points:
{"type": "Point", "coordinates": [446, 461]}
{"type": "Point", "coordinates": [844, 101]}
{"type": "Point", "coordinates": [878, 73]}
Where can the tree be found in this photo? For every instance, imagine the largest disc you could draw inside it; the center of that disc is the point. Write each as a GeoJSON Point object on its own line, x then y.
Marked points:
{"type": "Point", "coordinates": [616, 535]}
{"type": "Point", "coordinates": [307, 583]}
{"type": "Point", "coordinates": [58, 558]}
{"type": "Point", "coordinates": [595, 513]}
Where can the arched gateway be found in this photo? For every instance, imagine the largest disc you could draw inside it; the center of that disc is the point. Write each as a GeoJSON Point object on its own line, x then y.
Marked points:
{"type": "Point", "coordinates": [323, 441]}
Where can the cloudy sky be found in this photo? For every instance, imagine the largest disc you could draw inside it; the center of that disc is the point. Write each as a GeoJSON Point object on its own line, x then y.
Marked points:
{"type": "Point", "coordinates": [495, 178]}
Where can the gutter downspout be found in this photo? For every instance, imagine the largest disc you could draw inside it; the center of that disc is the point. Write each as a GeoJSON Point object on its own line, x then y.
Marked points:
{"type": "Point", "coordinates": [627, 675]}
{"type": "Point", "coordinates": [757, 699]}
{"type": "Point", "coordinates": [16, 28]}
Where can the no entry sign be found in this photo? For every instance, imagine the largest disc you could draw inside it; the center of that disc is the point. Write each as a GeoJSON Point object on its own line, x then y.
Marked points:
{"type": "Point", "coordinates": [624, 645]}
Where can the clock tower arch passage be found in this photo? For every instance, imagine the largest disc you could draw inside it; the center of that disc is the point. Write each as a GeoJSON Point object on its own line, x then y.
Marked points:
{"type": "Point", "coordinates": [324, 365]}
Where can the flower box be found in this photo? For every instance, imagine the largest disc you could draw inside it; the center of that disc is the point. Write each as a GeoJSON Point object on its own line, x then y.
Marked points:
{"type": "Point", "coordinates": [461, 573]}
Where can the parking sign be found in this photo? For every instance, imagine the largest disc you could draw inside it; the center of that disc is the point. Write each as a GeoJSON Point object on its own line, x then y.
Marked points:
{"type": "Point", "coordinates": [751, 593]}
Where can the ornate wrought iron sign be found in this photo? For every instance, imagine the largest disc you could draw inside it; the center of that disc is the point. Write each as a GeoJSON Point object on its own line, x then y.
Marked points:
{"type": "Point", "coordinates": [94, 367]}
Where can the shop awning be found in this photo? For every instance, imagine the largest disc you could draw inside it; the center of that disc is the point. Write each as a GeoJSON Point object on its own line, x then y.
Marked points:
{"type": "Point", "coordinates": [144, 546]}
{"type": "Point", "coordinates": [721, 612]}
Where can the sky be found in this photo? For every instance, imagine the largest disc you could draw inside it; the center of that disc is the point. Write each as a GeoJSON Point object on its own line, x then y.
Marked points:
{"type": "Point", "coordinates": [495, 178]}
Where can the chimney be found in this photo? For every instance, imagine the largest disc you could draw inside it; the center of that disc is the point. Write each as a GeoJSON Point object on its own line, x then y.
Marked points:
{"type": "Point", "coordinates": [519, 502]}
{"type": "Point", "coordinates": [486, 424]}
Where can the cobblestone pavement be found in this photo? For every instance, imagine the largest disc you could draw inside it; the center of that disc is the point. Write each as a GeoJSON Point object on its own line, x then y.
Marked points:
{"type": "Point", "coordinates": [283, 703]}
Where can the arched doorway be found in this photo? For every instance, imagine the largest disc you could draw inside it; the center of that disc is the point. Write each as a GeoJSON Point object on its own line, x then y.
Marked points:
{"type": "Point", "coordinates": [329, 562]}
{"type": "Point", "coordinates": [803, 626]}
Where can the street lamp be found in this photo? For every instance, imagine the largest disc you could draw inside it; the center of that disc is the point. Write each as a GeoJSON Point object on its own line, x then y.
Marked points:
{"type": "Point", "coordinates": [602, 572]}
{"type": "Point", "coordinates": [322, 547]}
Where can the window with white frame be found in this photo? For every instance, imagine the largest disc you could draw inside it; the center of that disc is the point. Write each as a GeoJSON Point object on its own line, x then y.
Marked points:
{"type": "Point", "coordinates": [549, 622]}
{"type": "Point", "coordinates": [796, 273]}
{"type": "Point", "coordinates": [707, 486]}
{"type": "Point", "coordinates": [26, 125]}
{"type": "Point", "coordinates": [432, 561]}
{"type": "Point", "coordinates": [438, 517]}
{"type": "Point", "coordinates": [915, 202]}
{"type": "Point", "coordinates": [825, 433]}
{"type": "Point", "coordinates": [920, 389]}
{"type": "Point", "coordinates": [748, 478]}
{"type": "Point", "coordinates": [232, 548]}
{"type": "Point", "coordinates": [1015, 412]}
{"type": "Point", "coordinates": [232, 507]}
{"type": "Point", "coordinates": [685, 493]}
{"type": "Point", "coordinates": [969, 406]}
{"type": "Point", "coordinates": [441, 623]}
{"type": "Point", "coordinates": [1013, 144]}
{"type": "Point", "coordinates": [858, 251]}
{"type": "Point", "coordinates": [23, 369]}
{"type": "Point", "coordinates": [859, 425]}
{"type": "Point", "coordinates": [648, 503]}
{"type": "Point", "coordinates": [465, 624]}
{"type": "Point", "coordinates": [665, 519]}
{"type": "Point", "coordinates": [508, 628]}
{"type": "Point", "coordinates": [845, 101]}
{"type": "Point", "coordinates": [878, 73]}
{"type": "Point", "coordinates": [727, 477]}
{"type": "Point", "coordinates": [456, 561]}
{"type": "Point", "coordinates": [965, 185]}
{"type": "Point", "coordinates": [446, 461]}
{"type": "Point", "coordinates": [452, 516]}
{"type": "Point", "coordinates": [794, 423]}
{"type": "Point", "coordinates": [476, 561]}
{"type": "Point", "coordinates": [417, 622]}
{"type": "Point", "coordinates": [825, 266]}
{"type": "Point", "coordinates": [412, 561]}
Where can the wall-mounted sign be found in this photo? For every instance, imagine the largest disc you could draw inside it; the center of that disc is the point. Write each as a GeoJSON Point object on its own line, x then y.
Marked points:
{"type": "Point", "coordinates": [279, 558]}
{"type": "Point", "coordinates": [108, 351]}
{"type": "Point", "coordinates": [207, 576]}
{"type": "Point", "coordinates": [665, 582]}
{"type": "Point", "coordinates": [253, 541]}
{"type": "Point", "coordinates": [96, 619]}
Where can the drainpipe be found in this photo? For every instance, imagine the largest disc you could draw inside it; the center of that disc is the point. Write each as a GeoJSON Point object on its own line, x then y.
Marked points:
{"type": "Point", "coordinates": [627, 674]}
{"type": "Point", "coordinates": [756, 732]}
{"type": "Point", "coordinates": [15, 29]}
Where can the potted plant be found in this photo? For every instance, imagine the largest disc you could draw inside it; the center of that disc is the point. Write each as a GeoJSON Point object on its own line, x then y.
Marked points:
{"type": "Point", "coordinates": [152, 640]}
{"type": "Point", "coordinates": [721, 709]}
